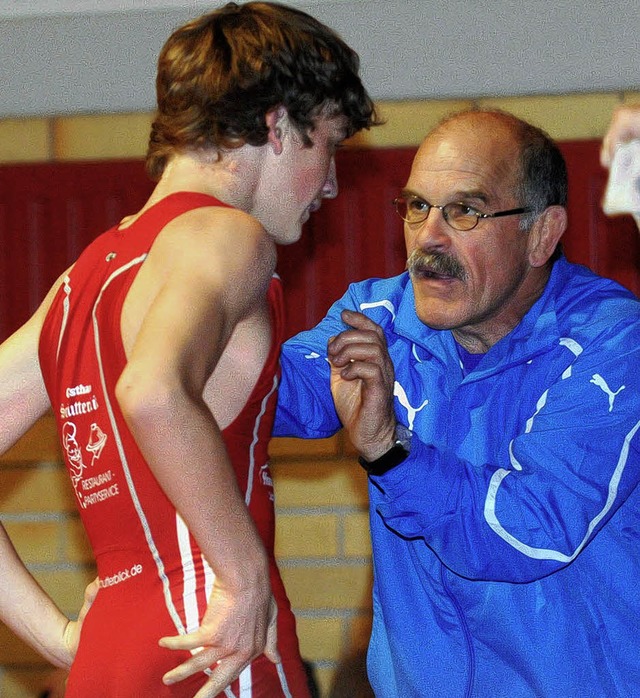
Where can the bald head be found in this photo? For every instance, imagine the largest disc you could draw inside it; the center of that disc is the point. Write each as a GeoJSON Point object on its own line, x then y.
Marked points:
{"type": "Point", "coordinates": [476, 141]}
{"type": "Point", "coordinates": [535, 161]}
{"type": "Point", "coordinates": [474, 119]}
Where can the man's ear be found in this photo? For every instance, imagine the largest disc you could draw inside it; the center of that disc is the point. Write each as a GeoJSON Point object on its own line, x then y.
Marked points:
{"type": "Point", "coordinates": [276, 121]}
{"type": "Point", "coordinates": [545, 234]}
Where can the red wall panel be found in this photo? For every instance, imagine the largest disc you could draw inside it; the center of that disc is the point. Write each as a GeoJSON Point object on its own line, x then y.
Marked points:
{"type": "Point", "coordinates": [49, 212]}
{"type": "Point", "coordinates": [609, 246]}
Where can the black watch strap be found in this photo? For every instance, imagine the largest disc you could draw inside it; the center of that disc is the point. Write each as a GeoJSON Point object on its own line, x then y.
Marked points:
{"type": "Point", "coordinates": [393, 457]}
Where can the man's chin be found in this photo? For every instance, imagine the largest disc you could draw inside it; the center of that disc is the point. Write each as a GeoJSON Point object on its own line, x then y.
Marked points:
{"type": "Point", "coordinates": [436, 318]}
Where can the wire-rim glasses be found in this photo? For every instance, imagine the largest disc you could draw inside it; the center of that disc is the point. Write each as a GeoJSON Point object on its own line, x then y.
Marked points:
{"type": "Point", "coordinates": [412, 209]}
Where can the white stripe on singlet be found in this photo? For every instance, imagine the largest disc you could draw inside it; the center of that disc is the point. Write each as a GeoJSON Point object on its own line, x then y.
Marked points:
{"type": "Point", "coordinates": [245, 684]}
{"type": "Point", "coordinates": [189, 580]}
{"type": "Point", "coordinates": [254, 442]}
{"type": "Point", "coordinates": [175, 617]}
{"type": "Point", "coordinates": [191, 615]}
{"type": "Point", "coordinates": [65, 311]}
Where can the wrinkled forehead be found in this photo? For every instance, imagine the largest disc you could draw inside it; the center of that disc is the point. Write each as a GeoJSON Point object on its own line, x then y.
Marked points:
{"type": "Point", "coordinates": [477, 149]}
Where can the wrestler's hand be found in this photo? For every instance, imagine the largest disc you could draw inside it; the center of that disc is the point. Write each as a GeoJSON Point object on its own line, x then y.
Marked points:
{"type": "Point", "coordinates": [362, 382]}
{"type": "Point", "coordinates": [624, 126]}
{"type": "Point", "coordinates": [235, 629]}
{"type": "Point", "coordinates": [74, 627]}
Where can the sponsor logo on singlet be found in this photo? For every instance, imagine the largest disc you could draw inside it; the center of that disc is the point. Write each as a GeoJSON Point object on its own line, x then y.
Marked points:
{"type": "Point", "coordinates": [121, 576]}
{"type": "Point", "coordinates": [80, 443]}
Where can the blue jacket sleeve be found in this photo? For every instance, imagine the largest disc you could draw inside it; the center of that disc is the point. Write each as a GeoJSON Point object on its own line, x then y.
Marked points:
{"type": "Point", "coordinates": [531, 508]}
{"type": "Point", "coordinates": [305, 406]}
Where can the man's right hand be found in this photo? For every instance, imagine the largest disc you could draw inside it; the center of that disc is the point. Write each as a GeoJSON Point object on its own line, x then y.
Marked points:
{"type": "Point", "coordinates": [362, 382]}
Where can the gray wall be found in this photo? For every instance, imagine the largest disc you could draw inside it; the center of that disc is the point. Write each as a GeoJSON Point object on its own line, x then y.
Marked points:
{"type": "Point", "coordinates": [95, 62]}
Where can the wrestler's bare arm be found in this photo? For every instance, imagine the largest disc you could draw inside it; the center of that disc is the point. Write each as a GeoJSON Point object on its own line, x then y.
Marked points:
{"type": "Point", "coordinates": [212, 279]}
{"type": "Point", "coordinates": [23, 396]}
{"type": "Point", "coordinates": [24, 606]}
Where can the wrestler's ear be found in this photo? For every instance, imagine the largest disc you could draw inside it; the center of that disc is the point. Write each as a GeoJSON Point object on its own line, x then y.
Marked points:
{"type": "Point", "coordinates": [545, 234]}
{"type": "Point", "coordinates": [276, 120]}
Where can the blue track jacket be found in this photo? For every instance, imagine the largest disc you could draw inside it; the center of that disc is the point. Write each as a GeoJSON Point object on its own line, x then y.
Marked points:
{"type": "Point", "coordinates": [506, 547]}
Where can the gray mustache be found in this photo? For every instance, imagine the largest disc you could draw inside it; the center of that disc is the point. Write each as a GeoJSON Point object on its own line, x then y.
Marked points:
{"type": "Point", "coordinates": [443, 264]}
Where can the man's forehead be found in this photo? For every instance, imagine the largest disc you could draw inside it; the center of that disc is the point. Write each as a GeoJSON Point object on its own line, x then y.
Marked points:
{"type": "Point", "coordinates": [476, 132]}
{"type": "Point", "coordinates": [458, 149]}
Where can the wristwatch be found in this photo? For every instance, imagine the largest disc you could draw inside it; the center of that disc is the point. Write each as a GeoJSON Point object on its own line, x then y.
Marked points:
{"type": "Point", "coordinates": [394, 456]}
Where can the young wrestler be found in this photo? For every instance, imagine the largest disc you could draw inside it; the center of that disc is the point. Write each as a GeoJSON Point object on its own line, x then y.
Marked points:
{"type": "Point", "coordinates": [158, 352]}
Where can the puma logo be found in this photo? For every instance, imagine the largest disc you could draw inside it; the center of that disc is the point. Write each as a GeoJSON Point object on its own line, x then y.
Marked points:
{"type": "Point", "coordinates": [400, 393]}
{"type": "Point", "coordinates": [598, 380]}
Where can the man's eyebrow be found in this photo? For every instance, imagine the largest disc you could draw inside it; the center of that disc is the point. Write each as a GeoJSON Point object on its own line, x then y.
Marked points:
{"type": "Point", "coordinates": [463, 195]}
{"type": "Point", "coordinates": [460, 195]}
{"type": "Point", "coordinates": [410, 192]}
{"type": "Point", "coordinates": [478, 194]}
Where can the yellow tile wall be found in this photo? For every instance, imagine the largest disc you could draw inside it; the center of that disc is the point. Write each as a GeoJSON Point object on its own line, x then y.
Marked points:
{"type": "Point", "coordinates": [25, 140]}
{"type": "Point", "coordinates": [322, 530]}
{"type": "Point", "coordinates": [100, 137]}
{"type": "Point", "coordinates": [322, 544]}
{"type": "Point", "coordinates": [582, 116]}
{"type": "Point", "coordinates": [125, 135]}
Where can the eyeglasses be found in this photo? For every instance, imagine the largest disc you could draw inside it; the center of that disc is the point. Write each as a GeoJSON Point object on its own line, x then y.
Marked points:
{"type": "Point", "coordinates": [413, 209]}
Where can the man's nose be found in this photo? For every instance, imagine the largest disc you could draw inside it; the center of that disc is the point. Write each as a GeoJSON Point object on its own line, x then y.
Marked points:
{"type": "Point", "coordinates": [432, 233]}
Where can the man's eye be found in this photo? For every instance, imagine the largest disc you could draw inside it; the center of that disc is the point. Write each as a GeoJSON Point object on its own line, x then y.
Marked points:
{"type": "Point", "coordinates": [464, 210]}
{"type": "Point", "coordinates": [417, 205]}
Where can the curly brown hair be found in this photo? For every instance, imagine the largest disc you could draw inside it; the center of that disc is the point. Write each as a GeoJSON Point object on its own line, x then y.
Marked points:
{"type": "Point", "coordinates": [219, 75]}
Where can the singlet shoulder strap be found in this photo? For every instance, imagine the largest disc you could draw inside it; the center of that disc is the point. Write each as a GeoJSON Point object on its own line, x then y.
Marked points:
{"type": "Point", "coordinates": [174, 205]}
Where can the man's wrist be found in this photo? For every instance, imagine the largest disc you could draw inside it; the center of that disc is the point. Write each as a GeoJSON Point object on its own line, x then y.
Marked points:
{"type": "Point", "coordinates": [395, 455]}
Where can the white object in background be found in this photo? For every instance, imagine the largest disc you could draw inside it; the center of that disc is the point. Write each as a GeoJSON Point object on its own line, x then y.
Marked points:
{"type": "Point", "coordinates": [622, 194]}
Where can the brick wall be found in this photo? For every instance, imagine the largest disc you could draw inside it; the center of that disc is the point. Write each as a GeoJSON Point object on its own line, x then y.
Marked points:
{"type": "Point", "coordinates": [322, 543]}
{"type": "Point", "coordinates": [322, 531]}
{"type": "Point", "coordinates": [37, 507]}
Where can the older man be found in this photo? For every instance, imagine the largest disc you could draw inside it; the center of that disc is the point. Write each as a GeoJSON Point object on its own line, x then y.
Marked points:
{"type": "Point", "coordinates": [493, 394]}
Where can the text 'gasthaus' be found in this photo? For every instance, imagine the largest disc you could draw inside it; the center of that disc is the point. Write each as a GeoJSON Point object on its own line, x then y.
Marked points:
{"type": "Point", "coordinates": [78, 390]}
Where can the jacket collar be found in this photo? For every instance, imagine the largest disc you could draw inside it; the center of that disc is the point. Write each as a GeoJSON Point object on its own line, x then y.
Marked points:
{"type": "Point", "coordinates": [535, 334]}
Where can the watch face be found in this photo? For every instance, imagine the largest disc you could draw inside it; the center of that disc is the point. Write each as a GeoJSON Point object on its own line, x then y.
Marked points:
{"type": "Point", "coordinates": [403, 436]}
